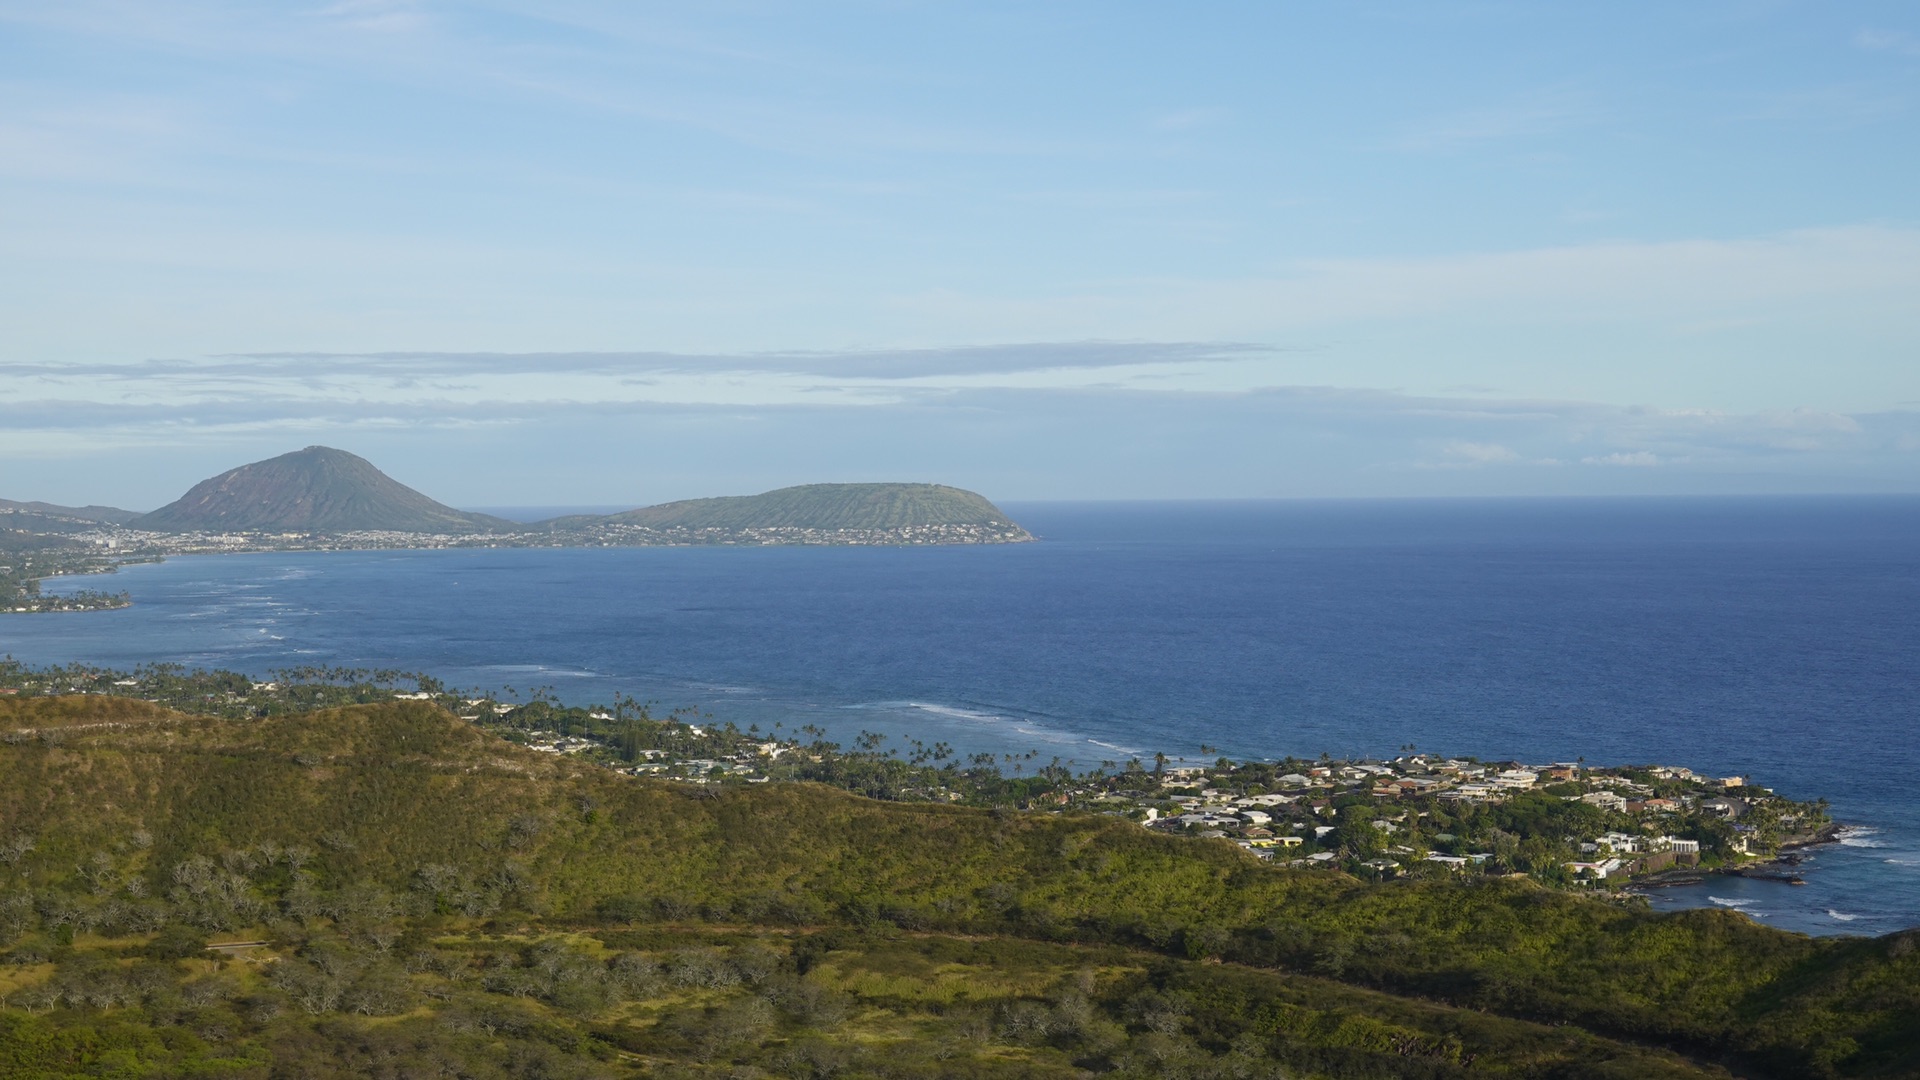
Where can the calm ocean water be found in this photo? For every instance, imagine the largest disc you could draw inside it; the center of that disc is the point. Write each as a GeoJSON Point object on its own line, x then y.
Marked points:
{"type": "Point", "coordinates": [1778, 638]}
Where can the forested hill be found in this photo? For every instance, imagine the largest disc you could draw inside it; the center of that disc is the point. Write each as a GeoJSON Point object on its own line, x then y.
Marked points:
{"type": "Point", "coordinates": [316, 490]}
{"type": "Point", "coordinates": [431, 899]}
{"type": "Point", "coordinates": [821, 506]}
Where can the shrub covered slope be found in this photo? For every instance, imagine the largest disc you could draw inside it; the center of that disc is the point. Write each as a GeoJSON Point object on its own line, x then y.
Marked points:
{"type": "Point", "coordinates": [432, 894]}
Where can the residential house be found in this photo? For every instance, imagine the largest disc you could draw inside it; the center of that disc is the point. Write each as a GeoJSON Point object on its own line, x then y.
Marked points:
{"type": "Point", "coordinates": [1605, 800]}
{"type": "Point", "coordinates": [1595, 869]}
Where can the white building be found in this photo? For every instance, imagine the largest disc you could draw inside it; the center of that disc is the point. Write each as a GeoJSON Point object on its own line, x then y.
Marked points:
{"type": "Point", "coordinates": [1605, 800]}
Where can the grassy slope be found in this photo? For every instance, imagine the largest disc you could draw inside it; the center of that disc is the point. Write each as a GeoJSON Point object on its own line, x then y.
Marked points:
{"type": "Point", "coordinates": [380, 791]}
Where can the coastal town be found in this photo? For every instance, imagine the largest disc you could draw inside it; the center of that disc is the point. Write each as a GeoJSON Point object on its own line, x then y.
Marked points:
{"type": "Point", "coordinates": [103, 549]}
{"type": "Point", "coordinates": [1564, 822]}
{"type": "Point", "coordinates": [113, 544]}
{"type": "Point", "coordinates": [1567, 824]}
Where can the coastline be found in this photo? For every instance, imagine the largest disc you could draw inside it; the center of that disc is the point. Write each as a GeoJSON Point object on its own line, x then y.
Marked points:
{"type": "Point", "coordinates": [1416, 815]}
{"type": "Point", "coordinates": [115, 547]}
{"type": "Point", "coordinates": [731, 636]}
{"type": "Point", "coordinates": [1782, 868]}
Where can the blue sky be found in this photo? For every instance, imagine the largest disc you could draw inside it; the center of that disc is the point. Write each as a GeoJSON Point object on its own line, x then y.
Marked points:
{"type": "Point", "coordinates": [566, 253]}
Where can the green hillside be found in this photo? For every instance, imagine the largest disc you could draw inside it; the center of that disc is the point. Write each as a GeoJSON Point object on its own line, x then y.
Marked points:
{"type": "Point", "coordinates": [435, 895]}
{"type": "Point", "coordinates": [823, 506]}
{"type": "Point", "coordinates": [318, 489]}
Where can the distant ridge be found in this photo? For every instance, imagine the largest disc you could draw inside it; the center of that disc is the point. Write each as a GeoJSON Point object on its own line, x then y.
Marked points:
{"type": "Point", "coordinates": [322, 491]}
{"type": "Point", "coordinates": [73, 514]}
{"type": "Point", "coordinates": [318, 489]}
{"type": "Point", "coordinates": [817, 506]}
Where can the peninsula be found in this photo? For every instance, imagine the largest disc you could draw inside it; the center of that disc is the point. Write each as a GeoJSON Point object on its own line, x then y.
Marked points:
{"type": "Point", "coordinates": [323, 499]}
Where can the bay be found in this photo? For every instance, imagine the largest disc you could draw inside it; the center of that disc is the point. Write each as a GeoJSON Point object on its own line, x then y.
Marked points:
{"type": "Point", "coordinates": [1777, 638]}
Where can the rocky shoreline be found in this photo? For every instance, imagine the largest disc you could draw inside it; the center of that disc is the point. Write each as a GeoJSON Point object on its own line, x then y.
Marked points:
{"type": "Point", "coordinates": [1783, 868]}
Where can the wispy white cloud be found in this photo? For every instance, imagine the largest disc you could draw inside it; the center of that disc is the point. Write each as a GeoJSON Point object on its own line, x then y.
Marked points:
{"type": "Point", "coordinates": [1318, 437]}
{"type": "Point", "coordinates": [1820, 283]}
{"type": "Point", "coordinates": [644, 67]}
{"type": "Point", "coordinates": [348, 370]}
{"type": "Point", "coordinates": [468, 213]}
{"type": "Point", "coordinates": [1615, 321]}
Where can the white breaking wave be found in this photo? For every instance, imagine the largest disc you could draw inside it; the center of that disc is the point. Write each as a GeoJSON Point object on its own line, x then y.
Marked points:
{"type": "Point", "coordinates": [949, 710]}
{"type": "Point", "coordinates": [1725, 902]}
{"type": "Point", "coordinates": [541, 669]}
{"type": "Point", "coordinates": [1025, 727]}
{"type": "Point", "coordinates": [1858, 837]}
{"type": "Point", "coordinates": [1840, 916]}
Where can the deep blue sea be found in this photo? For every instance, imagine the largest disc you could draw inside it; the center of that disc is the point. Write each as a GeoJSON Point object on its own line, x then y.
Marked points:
{"type": "Point", "coordinates": [1778, 638]}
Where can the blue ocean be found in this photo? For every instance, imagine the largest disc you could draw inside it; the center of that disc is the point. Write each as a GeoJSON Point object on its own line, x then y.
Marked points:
{"type": "Point", "coordinates": [1776, 638]}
